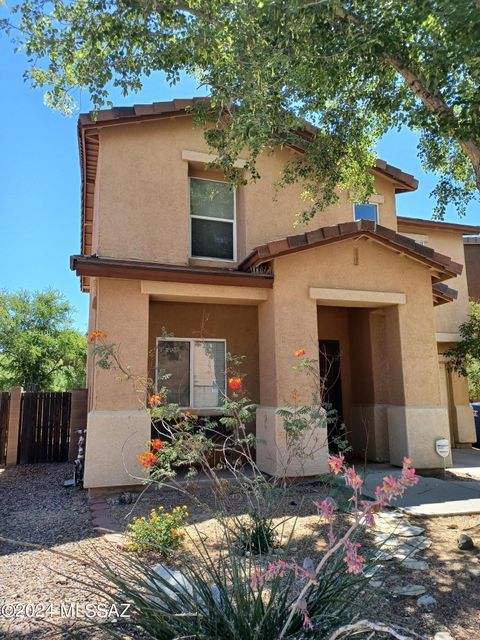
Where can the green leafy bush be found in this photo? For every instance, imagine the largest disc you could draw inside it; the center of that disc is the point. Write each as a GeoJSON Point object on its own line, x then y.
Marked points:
{"type": "Point", "coordinates": [159, 531]}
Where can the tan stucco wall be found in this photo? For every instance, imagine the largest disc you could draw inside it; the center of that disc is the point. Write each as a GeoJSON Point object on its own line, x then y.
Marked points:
{"type": "Point", "coordinates": [122, 313]}
{"type": "Point", "coordinates": [449, 316]}
{"type": "Point", "coordinates": [472, 264]}
{"type": "Point", "coordinates": [237, 324]}
{"type": "Point", "coordinates": [142, 195]}
{"type": "Point", "coordinates": [118, 426]}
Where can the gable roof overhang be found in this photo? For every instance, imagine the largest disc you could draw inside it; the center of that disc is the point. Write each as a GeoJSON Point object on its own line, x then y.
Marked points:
{"type": "Point", "coordinates": [88, 141]}
{"type": "Point", "coordinates": [441, 267]}
{"type": "Point", "coordinates": [464, 229]}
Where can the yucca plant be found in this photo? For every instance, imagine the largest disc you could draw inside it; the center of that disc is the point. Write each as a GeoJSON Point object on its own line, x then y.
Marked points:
{"type": "Point", "coordinates": [220, 597]}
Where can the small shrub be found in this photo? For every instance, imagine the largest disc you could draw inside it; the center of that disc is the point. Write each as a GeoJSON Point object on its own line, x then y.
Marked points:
{"type": "Point", "coordinates": [256, 534]}
{"type": "Point", "coordinates": [159, 531]}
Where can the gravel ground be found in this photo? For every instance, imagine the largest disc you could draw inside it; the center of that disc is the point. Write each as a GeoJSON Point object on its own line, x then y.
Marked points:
{"type": "Point", "coordinates": [451, 576]}
{"type": "Point", "coordinates": [36, 508]}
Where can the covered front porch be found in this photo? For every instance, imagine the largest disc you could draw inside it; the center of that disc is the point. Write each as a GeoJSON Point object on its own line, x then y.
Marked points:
{"type": "Point", "coordinates": [336, 290]}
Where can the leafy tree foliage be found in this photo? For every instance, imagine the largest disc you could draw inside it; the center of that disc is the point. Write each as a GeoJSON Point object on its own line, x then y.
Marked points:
{"type": "Point", "coordinates": [465, 356]}
{"type": "Point", "coordinates": [38, 345]}
{"type": "Point", "coordinates": [353, 68]}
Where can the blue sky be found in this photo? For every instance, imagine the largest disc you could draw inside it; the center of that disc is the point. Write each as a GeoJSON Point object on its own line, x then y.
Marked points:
{"type": "Point", "coordinates": [40, 181]}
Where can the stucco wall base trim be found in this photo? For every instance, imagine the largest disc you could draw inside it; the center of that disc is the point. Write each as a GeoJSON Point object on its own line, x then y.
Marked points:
{"type": "Point", "coordinates": [114, 440]}
{"type": "Point", "coordinates": [447, 337]}
{"type": "Point", "coordinates": [466, 433]}
{"type": "Point", "coordinates": [309, 458]}
{"type": "Point", "coordinates": [369, 431]}
{"type": "Point", "coordinates": [412, 432]}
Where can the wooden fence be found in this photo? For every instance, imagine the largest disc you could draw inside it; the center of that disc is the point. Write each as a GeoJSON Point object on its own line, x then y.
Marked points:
{"type": "Point", "coordinates": [44, 427]}
{"type": "Point", "coordinates": [4, 413]}
{"type": "Point", "coordinates": [40, 426]}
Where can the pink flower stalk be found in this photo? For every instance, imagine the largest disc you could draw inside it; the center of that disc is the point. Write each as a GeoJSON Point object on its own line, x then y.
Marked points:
{"type": "Point", "coordinates": [257, 579]}
{"type": "Point", "coordinates": [352, 558]}
{"type": "Point", "coordinates": [302, 607]}
{"type": "Point", "coordinates": [352, 479]}
{"type": "Point", "coordinates": [326, 508]}
{"type": "Point", "coordinates": [336, 463]}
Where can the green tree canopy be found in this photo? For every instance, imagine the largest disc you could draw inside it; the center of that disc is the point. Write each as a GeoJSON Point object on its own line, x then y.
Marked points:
{"type": "Point", "coordinates": [353, 68]}
{"type": "Point", "coordinates": [38, 344]}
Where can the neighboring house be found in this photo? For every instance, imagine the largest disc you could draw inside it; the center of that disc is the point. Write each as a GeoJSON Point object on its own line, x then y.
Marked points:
{"type": "Point", "coordinates": [472, 266]}
{"type": "Point", "coordinates": [169, 250]}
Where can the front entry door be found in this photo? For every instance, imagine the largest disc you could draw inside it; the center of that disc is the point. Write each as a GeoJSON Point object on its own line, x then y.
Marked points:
{"type": "Point", "coordinates": [331, 388]}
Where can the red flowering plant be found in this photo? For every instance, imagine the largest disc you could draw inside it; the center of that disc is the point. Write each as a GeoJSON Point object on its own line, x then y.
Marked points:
{"type": "Point", "coordinates": [308, 415]}
{"type": "Point", "coordinates": [259, 594]}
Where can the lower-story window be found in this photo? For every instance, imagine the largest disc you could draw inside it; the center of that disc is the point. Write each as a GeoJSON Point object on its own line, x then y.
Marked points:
{"type": "Point", "coordinates": [195, 370]}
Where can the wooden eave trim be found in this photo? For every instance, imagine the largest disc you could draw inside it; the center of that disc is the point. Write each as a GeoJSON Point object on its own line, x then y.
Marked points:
{"type": "Point", "coordinates": [131, 270]}
{"type": "Point", "coordinates": [465, 229]}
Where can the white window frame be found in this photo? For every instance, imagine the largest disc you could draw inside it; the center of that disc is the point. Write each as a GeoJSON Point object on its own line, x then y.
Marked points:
{"type": "Point", "coordinates": [374, 204]}
{"type": "Point", "coordinates": [191, 341]}
{"type": "Point", "coordinates": [226, 220]}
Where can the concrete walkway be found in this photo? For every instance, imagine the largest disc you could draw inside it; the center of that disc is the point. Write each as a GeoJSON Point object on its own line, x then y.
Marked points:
{"type": "Point", "coordinates": [434, 496]}
{"type": "Point", "coordinates": [466, 462]}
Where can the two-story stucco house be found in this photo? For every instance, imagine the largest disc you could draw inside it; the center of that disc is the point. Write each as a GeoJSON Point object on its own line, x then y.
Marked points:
{"type": "Point", "coordinates": [169, 249]}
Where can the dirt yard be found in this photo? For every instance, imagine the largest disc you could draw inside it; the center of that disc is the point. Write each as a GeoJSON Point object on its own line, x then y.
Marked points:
{"type": "Point", "coordinates": [39, 592]}
{"type": "Point", "coordinates": [450, 576]}
{"type": "Point", "coordinates": [36, 508]}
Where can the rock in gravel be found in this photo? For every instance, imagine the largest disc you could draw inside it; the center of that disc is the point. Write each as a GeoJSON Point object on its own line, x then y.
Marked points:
{"type": "Point", "coordinates": [474, 573]}
{"type": "Point", "coordinates": [426, 601]}
{"type": "Point", "coordinates": [172, 577]}
{"type": "Point", "coordinates": [409, 531]}
{"type": "Point", "coordinates": [415, 565]}
{"type": "Point", "coordinates": [410, 590]}
{"type": "Point", "coordinates": [116, 538]}
{"type": "Point", "coordinates": [465, 542]}
{"type": "Point", "coordinates": [443, 635]}
{"type": "Point", "coordinates": [125, 498]}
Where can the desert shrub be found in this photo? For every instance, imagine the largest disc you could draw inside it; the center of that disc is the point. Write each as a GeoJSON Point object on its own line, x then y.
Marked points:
{"type": "Point", "coordinates": [159, 531]}
{"type": "Point", "coordinates": [255, 533]}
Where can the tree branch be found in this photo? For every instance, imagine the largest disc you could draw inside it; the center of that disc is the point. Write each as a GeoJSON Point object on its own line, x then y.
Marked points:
{"type": "Point", "coordinates": [365, 625]}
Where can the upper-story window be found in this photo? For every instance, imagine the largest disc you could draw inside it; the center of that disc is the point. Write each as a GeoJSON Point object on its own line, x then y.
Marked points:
{"type": "Point", "coordinates": [366, 212]}
{"type": "Point", "coordinates": [212, 217]}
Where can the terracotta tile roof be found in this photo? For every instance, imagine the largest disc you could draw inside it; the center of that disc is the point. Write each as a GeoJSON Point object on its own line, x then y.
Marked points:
{"type": "Point", "coordinates": [465, 229]}
{"type": "Point", "coordinates": [443, 266]}
{"type": "Point", "coordinates": [442, 293]}
{"type": "Point", "coordinates": [88, 141]}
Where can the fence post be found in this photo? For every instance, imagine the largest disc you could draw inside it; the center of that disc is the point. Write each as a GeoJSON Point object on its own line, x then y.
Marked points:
{"type": "Point", "coordinates": [78, 419]}
{"type": "Point", "coordinates": [13, 425]}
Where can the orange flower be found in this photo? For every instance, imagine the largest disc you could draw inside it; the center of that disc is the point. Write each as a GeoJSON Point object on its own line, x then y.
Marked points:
{"type": "Point", "coordinates": [154, 400]}
{"type": "Point", "coordinates": [157, 444]}
{"type": "Point", "coordinates": [296, 398]}
{"type": "Point", "coordinates": [235, 384]}
{"type": "Point", "coordinates": [147, 459]}
{"type": "Point", "coordinates": [188, 414]}
{"type": "Point", "coordinates": [299, 353]}
{"type": "Point", "coordinates": [97, 335]}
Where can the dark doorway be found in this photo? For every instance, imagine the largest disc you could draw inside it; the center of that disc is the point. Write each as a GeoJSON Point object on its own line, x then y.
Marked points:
{"type": "Point", "coordinates": [331, 388]}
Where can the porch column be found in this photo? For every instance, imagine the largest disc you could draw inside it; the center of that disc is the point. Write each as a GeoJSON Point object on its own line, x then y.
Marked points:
{"type": "Point", "coordinates": [287, 322]}
{"type": "Point", "coordinates": [118, 426]}
{"type": "Point", "coordinates": [416, 416]}
{"type": "Point", "coordinates": [463, 412]}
